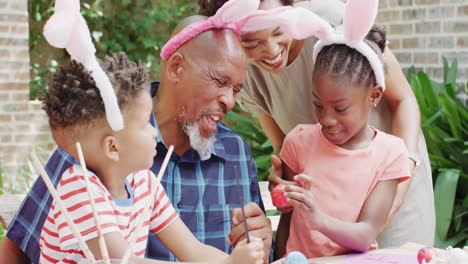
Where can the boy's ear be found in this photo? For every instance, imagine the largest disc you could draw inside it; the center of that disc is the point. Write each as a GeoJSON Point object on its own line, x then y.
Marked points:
{"type": "Point", "coordinates": [174, 66]}
{"type": "Point", "coordinates": [110, 147]}
{"type": "Point", "coordinates": [375, 95]}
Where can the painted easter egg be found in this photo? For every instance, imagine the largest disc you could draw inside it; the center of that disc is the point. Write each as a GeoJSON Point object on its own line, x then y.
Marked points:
{"type": "Point", "coordinates": [426, 254]}
{"type": "Point", "coordinates": [277, 196]}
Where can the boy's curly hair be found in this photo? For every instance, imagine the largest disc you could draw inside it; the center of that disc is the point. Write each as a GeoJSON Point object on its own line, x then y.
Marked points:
{"type": "Point", "coordinates": [72, 98]}
{"type": "Point", "coordinates": [209, 7]}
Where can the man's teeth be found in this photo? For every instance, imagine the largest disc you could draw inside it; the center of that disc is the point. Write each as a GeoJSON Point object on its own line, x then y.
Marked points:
{"type": "Point", "coordinates": [215, 118]}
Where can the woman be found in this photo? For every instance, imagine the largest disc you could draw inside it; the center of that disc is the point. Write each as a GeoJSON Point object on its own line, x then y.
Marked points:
{"type": "Point", "coordinates": [277, 91]}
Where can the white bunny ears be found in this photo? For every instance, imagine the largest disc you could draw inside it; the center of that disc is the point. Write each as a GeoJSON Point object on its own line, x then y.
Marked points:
{"type": "Point", "coordinates": [67, 28]}
{"type": "Point", "coordinates": [358, 20]}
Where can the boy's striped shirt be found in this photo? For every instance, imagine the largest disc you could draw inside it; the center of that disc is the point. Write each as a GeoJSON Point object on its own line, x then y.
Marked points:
{"type": "Point", "coordinates": [57, 242]}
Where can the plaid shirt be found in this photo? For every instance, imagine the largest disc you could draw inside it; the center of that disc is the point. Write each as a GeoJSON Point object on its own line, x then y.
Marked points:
{"type": "Point", "coordinates": [202, 192]}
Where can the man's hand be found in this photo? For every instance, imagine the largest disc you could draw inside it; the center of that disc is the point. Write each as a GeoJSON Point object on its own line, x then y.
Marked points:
{"type": "Point", "coordinates": [258, 225]}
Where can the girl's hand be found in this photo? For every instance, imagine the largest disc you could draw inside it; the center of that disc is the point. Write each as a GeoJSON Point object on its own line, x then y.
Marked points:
{"type": "Point", "coordinates": [303, 198]}
{"type": "Point", "coordinates": [247, 253]}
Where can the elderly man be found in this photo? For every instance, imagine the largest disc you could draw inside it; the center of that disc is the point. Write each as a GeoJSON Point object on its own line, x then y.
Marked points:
{"type": "Point", "coordinates": [198, 86]}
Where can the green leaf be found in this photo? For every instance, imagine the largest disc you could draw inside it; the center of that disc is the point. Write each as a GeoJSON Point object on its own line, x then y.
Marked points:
{"type": "Point", "coordinates": [450, 72]}
{"type": "Point", "coordinates": [453, 241]}
{"type": "Point", "coordinates": [425, 110]}
{"type": "Point", "coordinates": [465, 202]}
{"type": "Point", "coordinates": [453, 118]}
{"type": "Point", "coordinates": [444, 196]}
{"type": "Point", "coordinates": [2, 233]}
{"type": "Point", "coordinates": [429, 120]}
{"type": "Point", "coordinates": [429, 93]}
{"type": "Point", "coordinates": [457, 218]}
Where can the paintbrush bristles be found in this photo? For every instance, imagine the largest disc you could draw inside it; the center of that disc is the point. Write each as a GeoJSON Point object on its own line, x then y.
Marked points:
{"type": "Point", "coordinates": [63, 210]}
{"type": "Point", "coordinates": [102, 242]}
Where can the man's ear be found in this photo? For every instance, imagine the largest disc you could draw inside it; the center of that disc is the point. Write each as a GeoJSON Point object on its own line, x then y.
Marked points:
{"type": "Point", "coordinates": [174, 66]}
{"type": "Point", "coordinates": [375, 95]}
{"type": "Point", "coordinates": [110, 148]}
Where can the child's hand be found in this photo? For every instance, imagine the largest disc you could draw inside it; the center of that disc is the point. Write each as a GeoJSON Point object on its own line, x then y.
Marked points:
{"type": "Point", "coordinates": [302, 197]}
{"type": "Point", "coordinates": [247, 253]}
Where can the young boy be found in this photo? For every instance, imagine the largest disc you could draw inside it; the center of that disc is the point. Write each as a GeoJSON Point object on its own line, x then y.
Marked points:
{"type": "Point", "coordinates": [118, 164]}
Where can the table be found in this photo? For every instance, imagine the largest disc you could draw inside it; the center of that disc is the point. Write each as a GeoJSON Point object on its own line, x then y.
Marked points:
{"type": "Point", "coordinates": [406, 251]}
{"type": "Point", "coordinates": [409, 249]}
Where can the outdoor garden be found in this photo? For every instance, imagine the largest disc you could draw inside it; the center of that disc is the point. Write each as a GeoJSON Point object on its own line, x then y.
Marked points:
{"type": "Point", "coordinates": [140, 29]}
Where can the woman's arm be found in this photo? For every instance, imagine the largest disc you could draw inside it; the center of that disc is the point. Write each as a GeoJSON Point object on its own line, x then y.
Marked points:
{"type": "Point", "coordinates": [403, 105]}
{"type": "Point", "coordinates": [356, 236]}
{"type": "Point", "coordinates": [405, 116]}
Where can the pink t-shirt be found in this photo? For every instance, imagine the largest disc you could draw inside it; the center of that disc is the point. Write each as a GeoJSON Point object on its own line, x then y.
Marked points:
{"type": "Point", "coordinates": [342, 180]}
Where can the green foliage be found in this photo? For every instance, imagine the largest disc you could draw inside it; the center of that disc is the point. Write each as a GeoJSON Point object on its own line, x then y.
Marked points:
{"type": "Point", "coordinates": [2, 232]}
{"type": "Point", "coordinates": [138, 28]}
{"type": "Point", "coordinates": [445, 126]}
{"type": "Point", "coordinates": [249, 129]}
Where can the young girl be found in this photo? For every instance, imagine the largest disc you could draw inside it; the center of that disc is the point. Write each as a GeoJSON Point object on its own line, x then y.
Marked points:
{"type": "Point", "coordinates": [277, 91]}
{"type": "Point", "coordinates": [347, 171]}
{"type": "Point", "coordinates": [118, 163]}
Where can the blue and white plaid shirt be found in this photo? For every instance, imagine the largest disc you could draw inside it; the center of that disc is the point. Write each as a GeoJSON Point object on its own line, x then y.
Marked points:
{"type": "Point", "coordinates": [202, 192]}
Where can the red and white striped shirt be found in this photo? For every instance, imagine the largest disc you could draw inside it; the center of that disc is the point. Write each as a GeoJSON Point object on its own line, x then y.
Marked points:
{"type": "Point", "coordinates": [57, 242]}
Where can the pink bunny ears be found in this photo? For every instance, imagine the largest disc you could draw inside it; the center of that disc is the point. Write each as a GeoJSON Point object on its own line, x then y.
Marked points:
{"type": "Point", "coordinates": [67, 28]}
{"type": "Point", "coordinates": [358, 20]}
{"type": "Point", "coordinates": [240, 16]}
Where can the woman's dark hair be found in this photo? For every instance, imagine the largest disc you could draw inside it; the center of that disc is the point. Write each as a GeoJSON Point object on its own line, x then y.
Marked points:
{"type": "Point", "coordinates": [347, 64]}
{"type": "Point", "coordinates": [209, 7]}
{"type": "Point", "coordinates": [73, 99]}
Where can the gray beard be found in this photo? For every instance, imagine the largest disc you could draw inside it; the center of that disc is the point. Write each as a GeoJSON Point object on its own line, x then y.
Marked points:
{"type": "Point", "coordinates": [197, 142]}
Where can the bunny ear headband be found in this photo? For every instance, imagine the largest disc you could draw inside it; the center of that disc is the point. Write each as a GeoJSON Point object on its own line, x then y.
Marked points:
{"type": "Point", "coordinates": [301, 23]}
{"type": "Point", "coordinates": [67, 28]}
{"type": "Point", "coordinates": [358, 20]}
{"type": "Point", "coordinates": [240, 16]}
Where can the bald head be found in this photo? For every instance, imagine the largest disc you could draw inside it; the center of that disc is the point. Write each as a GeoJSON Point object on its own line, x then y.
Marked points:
{"type": "Point", "coordinates": [209, 44]}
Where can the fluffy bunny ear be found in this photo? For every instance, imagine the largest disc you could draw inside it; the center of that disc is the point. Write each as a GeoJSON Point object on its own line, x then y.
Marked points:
{"type": "Point", "coordinates": [301, 23]}
{"type": "Point", "coordinates": [68, 5]}
{"type": "Point", "coordinates": [81, 47]}
{"type": "Point", "coordinates": [359, 18]}
{"type": "Point", "coordinates": [235, 10]}
{"type": "Point", "coordinates": [57, 31]}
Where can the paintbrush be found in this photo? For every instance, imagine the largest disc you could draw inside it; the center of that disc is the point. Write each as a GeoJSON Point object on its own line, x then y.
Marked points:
{"type": "Point", "coordinates": [241, 195]}
{"type": "Point", "coordinates": [45, 177]}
